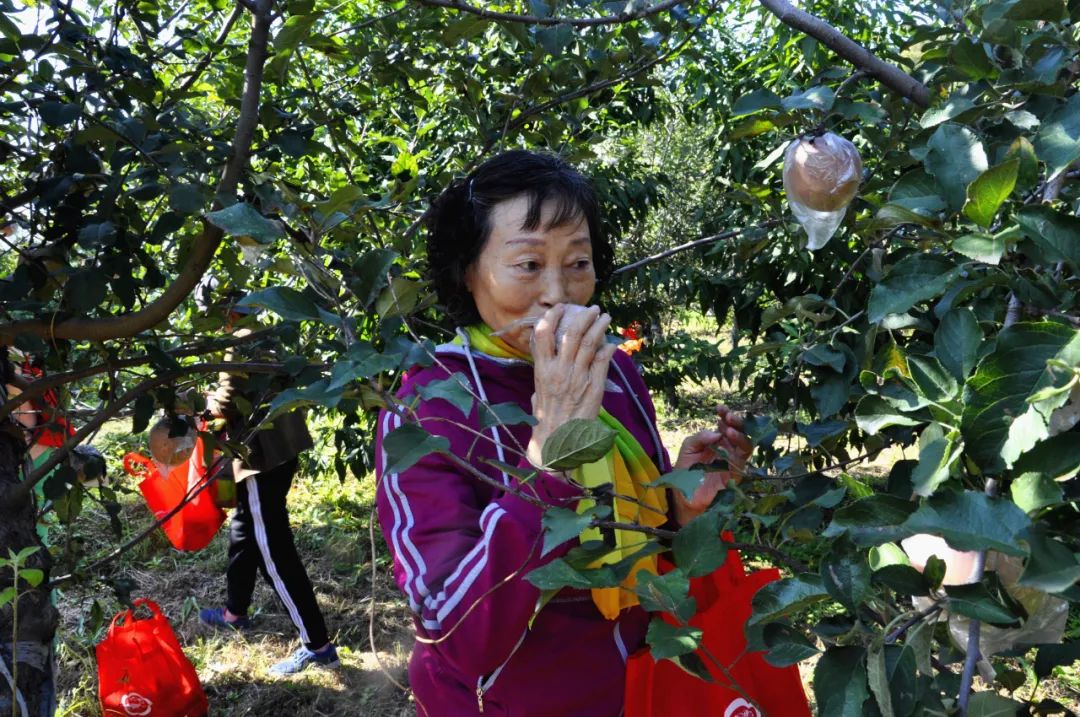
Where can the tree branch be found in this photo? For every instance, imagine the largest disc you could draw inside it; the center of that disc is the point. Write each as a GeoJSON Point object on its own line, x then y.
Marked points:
{"type": "Point", "coordinates": [690, 245]}
{"type": "Point", "coordinates": [204, 246]}
{"type": "Point", "coordinates": [23, 490]}
{"type": "Point", "coordinates": [622, 17]}
{"type": "Point", "coordinates": [219, 42]}
{"type": "Point", "coordinates": [887, 74]}
{"type": "Point", "coordinates": [41, 386]}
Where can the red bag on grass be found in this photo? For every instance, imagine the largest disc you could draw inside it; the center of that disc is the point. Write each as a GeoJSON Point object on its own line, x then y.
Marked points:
{"type": "Point", "coordinates": [663, 689]}
{"type": "Point", "coordinates": [143, 672]}
{"type": "Point", "coordinates": [196, 524]}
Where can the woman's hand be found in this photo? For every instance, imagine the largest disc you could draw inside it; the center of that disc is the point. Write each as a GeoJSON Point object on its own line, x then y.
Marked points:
{"type": "Point", "coordinates": [729, 443]}
{"type": "Point", "coordinates": [569, 379]}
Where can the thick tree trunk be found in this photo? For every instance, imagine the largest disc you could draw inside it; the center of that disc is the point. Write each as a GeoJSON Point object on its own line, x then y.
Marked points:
{"type": "Point", "coordinates": [37, 618]}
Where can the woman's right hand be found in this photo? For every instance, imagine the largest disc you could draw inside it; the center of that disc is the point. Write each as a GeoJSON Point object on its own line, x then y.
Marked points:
{"type": "Point", "coordinates": [569, 379]}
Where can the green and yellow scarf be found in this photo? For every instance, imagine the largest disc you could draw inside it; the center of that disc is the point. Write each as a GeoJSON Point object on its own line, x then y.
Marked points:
{"type": "Point", "coordinates": [627, 468]}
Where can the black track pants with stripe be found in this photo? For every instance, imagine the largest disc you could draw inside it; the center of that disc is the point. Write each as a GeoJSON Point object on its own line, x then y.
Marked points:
{"type": "Point", "coordinates": [260, 539]}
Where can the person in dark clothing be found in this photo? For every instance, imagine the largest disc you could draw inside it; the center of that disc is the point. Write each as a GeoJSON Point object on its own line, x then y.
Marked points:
{"type": "Point", "coordinates": [260, 538]}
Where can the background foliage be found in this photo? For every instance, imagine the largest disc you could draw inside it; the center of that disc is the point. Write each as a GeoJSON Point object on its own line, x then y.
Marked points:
{"type": "Point", "coordinates": [942, 317]}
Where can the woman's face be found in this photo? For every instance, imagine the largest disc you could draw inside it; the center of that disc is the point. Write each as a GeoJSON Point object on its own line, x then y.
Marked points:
{"type": "Point", "coordinates": [522, 273]}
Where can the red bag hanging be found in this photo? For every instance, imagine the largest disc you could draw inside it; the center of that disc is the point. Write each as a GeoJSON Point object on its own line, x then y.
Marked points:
{"type": "Point", "coordinates": [196, 524]}
{"type": "Point", "coordinates": [142, 672]}
{"type": "Point", "coordinates": [663, 689]}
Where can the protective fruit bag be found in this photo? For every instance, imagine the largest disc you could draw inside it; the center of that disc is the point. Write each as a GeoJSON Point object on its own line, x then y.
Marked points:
{"type": "Point", "coordinates": [143, 672]}
{"type": "Point", "coordinates": [660, 688]}
{"type": "Point", "coordinates": [821, 176]}
{"type": "Point", "coordinates": [195, 524]}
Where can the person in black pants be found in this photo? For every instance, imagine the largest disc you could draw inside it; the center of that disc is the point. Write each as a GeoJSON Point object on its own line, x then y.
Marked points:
{"type": "Point", "coordinates": [260, 538]}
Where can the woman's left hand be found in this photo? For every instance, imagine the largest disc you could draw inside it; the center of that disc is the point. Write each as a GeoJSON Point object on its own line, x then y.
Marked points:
{"type": "Point", "coordinates": [729, 443]}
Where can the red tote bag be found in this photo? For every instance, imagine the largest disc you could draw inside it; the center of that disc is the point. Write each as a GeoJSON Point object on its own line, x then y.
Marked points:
{"type": "Point", "coordinates": [142, 672]}
{"type": "Point", "coordinates": [196, 524]}
{"type": "Point", "coordinates": [663, 689]}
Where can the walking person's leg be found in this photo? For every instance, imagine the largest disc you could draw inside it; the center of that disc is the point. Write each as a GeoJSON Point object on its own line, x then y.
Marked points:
{"type": "Point", "coordinates": [268, 499]}
{"type": "Point", "coordinates": [244, 563]}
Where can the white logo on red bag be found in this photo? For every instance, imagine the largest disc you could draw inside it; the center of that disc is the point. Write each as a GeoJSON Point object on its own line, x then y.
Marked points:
{"type": "Point", "coordinates": [136, 705]}
{"type": "Point", "coordinates": [741, 708]}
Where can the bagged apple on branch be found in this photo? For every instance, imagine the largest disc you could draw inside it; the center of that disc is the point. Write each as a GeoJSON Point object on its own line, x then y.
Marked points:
{"type": "Point", "coordinates": [822, 173]}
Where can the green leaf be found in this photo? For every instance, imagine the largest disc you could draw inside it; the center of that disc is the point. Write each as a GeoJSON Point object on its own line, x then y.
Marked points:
{"type": "Point", "coordinates": [987, 193]}
{"type": "Point", "coordinates": [846, 576]}
{"type": "Point", "coordinates": [369, 272]}
{"type": "Point", "coordinates": [1026, 10]}
{"type": "Point", "coordinates": [295, 30]}
{"type": "Point", "coordinates": [956, 158]}
{"type": "Point", "coordinates": [7, 595]}
{"type": "Point", "coordinates": [760, 99]}
{"type": "Point", "coordinates": [287, 303]}
{"type": "Point", "coordinates": [822, 355]}
{"type": "Point", "coordinates": [970, 58]}
{"type": "Point", "coordinates": [934, 571]}
{"type": "Point", "coordinates": [555, 39]}
{"type": "Point", "coordinates": [981, 247]}
{"type": "Point", "coordinates": [972, 520]}
{"type": "Point", "coordinates": [684, 480]}
{"type": "Point", "coordinates": [976, 602]}
{"type": "Point", "coordinates": [786, 645]}
{"type": "Point", "coordinates": [1034, 491]}
{"type": "Point", "coordinates": [1052, 567]}
{"type": "Point", "coordinates": [559, 574]}
{"type": "Point", "coordinates": [407, 444]}
{"type": "Point", "coordinates": [957, 341]}
{"type": "Point", "coordinates": [918, 191]}
{"type": "Point", "coordinates": [697, 547]}
{"type": "Point", "coordinates": [935, 459]}
{"type": "Point", "coordinates": [1055, 233]}
{"type": "Point", "coordinates": [812, 98]}
{"type": "Point", "coordinates": [577, 442]}
{"type": "Point", "coordinates": [873, 414]}
{"type": "Point", "coordinates": [904, 579]}
{"type": "Point", "coordinates": [244, 220]}
{"type": "Point", "coordinates": [398, 298]}
{"type": "Point", "coordinates": [786, 597]}
{"type": "Point", "coordinates": [840, 682]}
{"type": "Point", "coordinates": [33, 576]}
{"type": "Point", "coordinates": [1058, 141]}
{"type": "Point", "coordinates": [894, 215]}
{"type": "Point", "coordinates": [952, 108]}
{"type": "Point", "coordinates": [57, 114]}
{"type": "Point", "coordinates": [668, 593]}
{"type": "Point", "coordinates": [85, 290]}
{"type": "Point", "coordinates": [506, 414]}
{"type": "Point", "coordinates": [872, 521]}
{"type": "Point", "coordinates": [818, 432]}
{"type": "Point", "coordinates": [144, 410]}
{"type": "Point", "coordinates": [1049, 656]}
{"type": "Point", "coordinates": [991, 704]}
{"type": "Point", "coordinates": [877, 675]}
{"type": "Point", "coordinates": [931, 379]}
{"type": "Point", "coordinates": [454, 390]}
{"type": "Point", "coordinates": [562, 524]}
{"type": "Point", "coordinates": [998, 391]}
{"type": "Point", "coordinates": [667, 641]}
{"type": "Point", "coordinates": [1056, 457]}
{"type": "Point", "coordinates": [915, 278]}
{"type": "Point", "coordinates": [96, 235]}
{"type": "Point", "coordinates": [186, 198]}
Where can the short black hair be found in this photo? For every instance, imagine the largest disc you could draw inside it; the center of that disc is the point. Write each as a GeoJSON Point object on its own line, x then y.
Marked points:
{"type": "Point", "coordinates": [459, 220]}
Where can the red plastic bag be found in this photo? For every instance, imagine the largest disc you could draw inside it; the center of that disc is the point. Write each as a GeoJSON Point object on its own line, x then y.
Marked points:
{"type": "Point", "coordinates": [143, 672]}
{"type": "Point", "coordinates": [663, 689]}
{"type": "Point", "coordinates": [196, 524]}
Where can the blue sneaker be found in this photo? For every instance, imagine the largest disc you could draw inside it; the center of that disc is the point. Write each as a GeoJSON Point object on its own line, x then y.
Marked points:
{"type": "Point", "coordinates": [299, 661]}
{"type": "Point", "coordinates": [215, 617]}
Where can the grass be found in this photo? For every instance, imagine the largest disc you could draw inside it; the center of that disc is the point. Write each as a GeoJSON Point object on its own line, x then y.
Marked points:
{"type": "Point", "coordinates": [330, 520]}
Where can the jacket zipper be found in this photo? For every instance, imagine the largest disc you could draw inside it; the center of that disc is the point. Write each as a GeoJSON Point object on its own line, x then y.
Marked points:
{"type": "Point", "coordinates": [485, 682]}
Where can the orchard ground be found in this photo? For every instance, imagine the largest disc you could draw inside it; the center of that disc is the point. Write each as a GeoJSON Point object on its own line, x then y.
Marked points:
{"type": "Point", "coordinates": [332, 523]}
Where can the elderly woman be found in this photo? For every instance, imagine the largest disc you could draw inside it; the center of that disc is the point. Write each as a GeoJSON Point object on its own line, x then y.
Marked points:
{"type": "Point", "coordinates": [510, 249]}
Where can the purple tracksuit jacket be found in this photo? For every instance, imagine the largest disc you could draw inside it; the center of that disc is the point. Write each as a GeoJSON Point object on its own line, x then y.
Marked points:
{"type": "Point", "coordinates": [455, 540]}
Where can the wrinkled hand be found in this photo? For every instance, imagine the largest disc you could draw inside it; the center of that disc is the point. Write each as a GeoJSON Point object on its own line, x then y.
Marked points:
{"type": "Point", "coordinates": [568, 379]}
{"type": "Point", "coordinates": [727, 442]}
